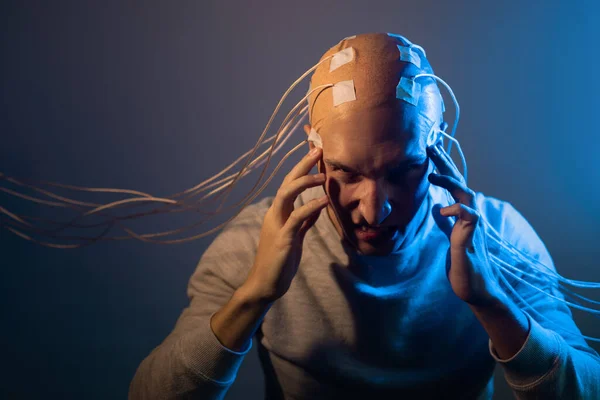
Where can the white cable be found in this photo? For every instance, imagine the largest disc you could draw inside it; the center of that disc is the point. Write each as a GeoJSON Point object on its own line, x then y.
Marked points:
{"type": "Point", "coordinates": [456, 106]}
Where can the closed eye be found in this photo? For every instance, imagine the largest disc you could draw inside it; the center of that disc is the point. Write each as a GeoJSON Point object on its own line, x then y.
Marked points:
{"type": "Point", "coordinates": [405, 172]}
{"type": "Point", "coordinates": [348, 176]}
{"type": "Point", "coordinates": [334, 168]}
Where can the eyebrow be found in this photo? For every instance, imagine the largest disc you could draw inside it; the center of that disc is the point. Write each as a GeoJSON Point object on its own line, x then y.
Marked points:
{"type": "Point", "coordinates": [402, 164]}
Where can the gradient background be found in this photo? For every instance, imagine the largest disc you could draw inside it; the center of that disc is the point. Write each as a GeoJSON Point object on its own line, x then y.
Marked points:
{"type": "Point", "coordinates": [160, 95]}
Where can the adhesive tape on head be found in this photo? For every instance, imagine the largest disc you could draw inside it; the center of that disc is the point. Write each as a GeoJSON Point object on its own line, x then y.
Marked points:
{"type": "Point", "coordinates": [409, 55]}
{"type": "Point", "coordinates": [404, 40]}
{"type": "Point", "coordinates": [408, 90]}
{"type": "Point", "coordinates": [314, 137]}
{"type": "Point", "coordinates": [433, 137]}
{"type": "Point", "coordinates": [343, 92]}
{"type": "Point", "coordinates": [341, 58]}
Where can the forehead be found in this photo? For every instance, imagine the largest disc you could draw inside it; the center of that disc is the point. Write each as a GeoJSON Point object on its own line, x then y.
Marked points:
{"type": "Point", "coordinates": [387, 130]}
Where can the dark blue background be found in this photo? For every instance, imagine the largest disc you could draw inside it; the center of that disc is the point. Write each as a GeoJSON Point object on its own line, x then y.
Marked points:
{"type": "Point", "coordinates": [157, 96]}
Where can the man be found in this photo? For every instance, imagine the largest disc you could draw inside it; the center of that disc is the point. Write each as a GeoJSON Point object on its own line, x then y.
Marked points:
{"type": "Point", "coordinates": [382, 295]}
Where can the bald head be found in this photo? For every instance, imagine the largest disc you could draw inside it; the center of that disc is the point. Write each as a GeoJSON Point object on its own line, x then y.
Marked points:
{"type": "Point", "coordinates": [375, 70]}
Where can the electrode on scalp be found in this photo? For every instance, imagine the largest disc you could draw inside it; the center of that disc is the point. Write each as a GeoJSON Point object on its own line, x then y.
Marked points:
{"type": "Point", "coordinates": [408, 90]}
{"type": "Point", "coordinates": [314, 137]}
{"type": "Point", "coordinates": [341, 58]}
{"type": "Point", "coordinates": [407, 54]}
{"type": "Point", "coordinates": [343, 92]}
{"type": "Point", "coordinates": [433, 137]}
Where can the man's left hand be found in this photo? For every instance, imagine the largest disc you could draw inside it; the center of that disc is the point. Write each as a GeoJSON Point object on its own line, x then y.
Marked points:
{"type": "Point", "coordinates": [468, 267]}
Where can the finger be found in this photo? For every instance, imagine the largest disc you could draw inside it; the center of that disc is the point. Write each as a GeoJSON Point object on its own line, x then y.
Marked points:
{"type": "Point", "coordinates": [307, 224]}
{"type": "Point", "coordinates": [458, 190]}
{"type": "Point", "coordinates": [461, 211]}
{"type": "Point", "coordinates": [288, 192]}
{"type": "Point", "coordinates": [304, 166]}
{"type": "Point", "coordinates": [301, 214]}
{"type": "Point", "coordinates": [445, 224]}
{"type": "Point", "coordinates": [443, 162]}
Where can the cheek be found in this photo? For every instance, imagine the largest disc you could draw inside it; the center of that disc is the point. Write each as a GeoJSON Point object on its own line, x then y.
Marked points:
{"type": "Point", "coordinates": [409, 195]}
{"type": "Point", "coordinates": [420, 186]}
{"type": "Point", "coordinates": [420, 182]}
{"type": "Point", "coordinates": [340, 192]}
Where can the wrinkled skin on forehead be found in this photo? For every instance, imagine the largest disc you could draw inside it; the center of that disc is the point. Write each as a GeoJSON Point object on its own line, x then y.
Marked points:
{"type": "Point", "coordinates": [381, 138]}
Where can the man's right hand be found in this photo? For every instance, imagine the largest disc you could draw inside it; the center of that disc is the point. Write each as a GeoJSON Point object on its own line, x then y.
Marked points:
{"type": "Point", "coordinates": [277, 258]}
{"type": "Point", "coordinates": [283, 230]}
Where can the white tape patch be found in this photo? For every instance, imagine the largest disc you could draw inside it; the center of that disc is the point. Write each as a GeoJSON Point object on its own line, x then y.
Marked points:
{"type": "Point", "coordinates": [401, 38]}
{"type": "Point", "coordinates": [433, 137]}
{"type": "Point", "coordinates": [408, 90]}
{"type": "Point", "coordinates": [341, 58]}
{"type": "Point", "coordinates": [409, 55]}
{"type": "Point", "coordinates": [314, 137]}
{"type": "Point", "coordinates": [343, 92]}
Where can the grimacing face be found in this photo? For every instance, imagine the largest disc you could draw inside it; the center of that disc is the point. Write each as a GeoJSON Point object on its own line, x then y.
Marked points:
{"type": "Point", "coordinates": [376, 156]}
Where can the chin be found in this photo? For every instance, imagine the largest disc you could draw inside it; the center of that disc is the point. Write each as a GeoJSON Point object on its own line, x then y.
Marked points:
{"type": "Point", "coordinates": [369, 249]}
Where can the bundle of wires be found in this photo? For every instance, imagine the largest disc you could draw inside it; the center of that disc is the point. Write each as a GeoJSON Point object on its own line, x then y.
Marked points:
{"type": "Point", "coordinates": [194, 199]}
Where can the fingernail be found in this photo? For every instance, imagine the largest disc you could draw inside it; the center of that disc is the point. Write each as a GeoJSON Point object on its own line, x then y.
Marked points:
{"type": "Point", "coordinates": [314, 151]}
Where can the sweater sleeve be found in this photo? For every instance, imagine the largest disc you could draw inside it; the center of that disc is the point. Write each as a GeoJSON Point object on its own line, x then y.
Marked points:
{"type": "Point", "coordinates": [191, 362]}
{"type": "Point", "coordinates": [555, 361]}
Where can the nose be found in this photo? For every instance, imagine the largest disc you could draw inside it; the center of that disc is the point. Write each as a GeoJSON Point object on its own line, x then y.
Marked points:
{"type": "Point", "coordinates": [374, 204]}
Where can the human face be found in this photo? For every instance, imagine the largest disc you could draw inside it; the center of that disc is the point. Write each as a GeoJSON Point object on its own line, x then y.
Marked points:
{"type": "Point", "coordinates": [376, 167]}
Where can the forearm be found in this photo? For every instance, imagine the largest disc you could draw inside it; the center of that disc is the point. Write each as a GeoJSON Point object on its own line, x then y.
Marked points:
{"type": "Point", "coordinates": [200, 358]}
{"type": "Point", "coordinates": [506, 325]}
{"type": "Point", "coordinates": [538, 362]}
{"type": "Point", "coordinates": [236, 322]}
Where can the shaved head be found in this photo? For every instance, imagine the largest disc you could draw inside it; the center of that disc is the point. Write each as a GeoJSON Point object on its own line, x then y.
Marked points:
{"type": "Point", "coordinates": [375, 71]}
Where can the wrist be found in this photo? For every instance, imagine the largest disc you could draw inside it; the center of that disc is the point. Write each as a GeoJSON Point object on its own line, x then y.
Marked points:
{"type": "Point", "coordinates": [236, 323]}
{"type": "Point", "coordinates": [251, 295]}
{"type": "Point", "coordinates": [506, 325]}
{"type": "Point", "coordinates": [496, 304]}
